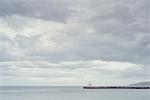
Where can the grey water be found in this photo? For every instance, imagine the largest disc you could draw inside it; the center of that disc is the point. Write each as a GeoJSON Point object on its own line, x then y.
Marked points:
{"type": "Point", "coordinates": [70, 93]}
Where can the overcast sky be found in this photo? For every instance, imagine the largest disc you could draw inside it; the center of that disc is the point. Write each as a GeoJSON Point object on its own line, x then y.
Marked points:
{"type": "Point", "coordinates": [72, 42]}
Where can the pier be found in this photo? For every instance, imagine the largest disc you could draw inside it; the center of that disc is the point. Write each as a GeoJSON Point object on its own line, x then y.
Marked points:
{"type": "Point", "coordinates": [115, 87]}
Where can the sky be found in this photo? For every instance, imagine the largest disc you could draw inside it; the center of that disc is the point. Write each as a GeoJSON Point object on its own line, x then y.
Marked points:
{"type": "Point", "coordinates": [73, 42]}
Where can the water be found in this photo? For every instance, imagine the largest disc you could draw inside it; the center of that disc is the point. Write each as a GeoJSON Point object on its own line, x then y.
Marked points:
{"type": "Point", "coordinates": [71, 93]}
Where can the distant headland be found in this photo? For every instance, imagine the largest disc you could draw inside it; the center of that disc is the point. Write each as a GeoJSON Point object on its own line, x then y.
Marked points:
{"type": "Point", "coordinates": [141, 84]}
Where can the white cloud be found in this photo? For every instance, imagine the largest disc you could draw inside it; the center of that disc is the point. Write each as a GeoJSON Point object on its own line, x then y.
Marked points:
{"type": "Point", "coordinates": [76, 71]}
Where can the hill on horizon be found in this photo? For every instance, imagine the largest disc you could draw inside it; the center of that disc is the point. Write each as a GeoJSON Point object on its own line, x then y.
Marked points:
{"type": "Point", "coordinates": [141, 84]}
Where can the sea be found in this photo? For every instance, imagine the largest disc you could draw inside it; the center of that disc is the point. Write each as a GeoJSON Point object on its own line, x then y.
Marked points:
{"type": "Point", "coordinates": [70, 93]}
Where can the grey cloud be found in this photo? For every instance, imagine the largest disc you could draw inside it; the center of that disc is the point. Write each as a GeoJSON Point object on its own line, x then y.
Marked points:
{"type": "Point", "coordinates": [26, 42]}
{"type": "Point", "coordinates": [5, 43]}
{"type": "Point", "coordinates": [86, 47]}
{"type": "Point", "coordinates": [4, 39]}
{"type": "Point", "coordinates": [9, 50]}
{"type": "Point", "coordinates": [123, 17]}
{"type": "Point", "coordinates": [47, 9]}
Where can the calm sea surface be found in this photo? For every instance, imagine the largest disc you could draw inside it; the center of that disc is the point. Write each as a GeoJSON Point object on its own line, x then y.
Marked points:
{"type": "Point", "coordinates": [71, 93]}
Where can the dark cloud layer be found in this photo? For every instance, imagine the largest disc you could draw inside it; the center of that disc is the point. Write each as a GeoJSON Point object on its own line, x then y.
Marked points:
{"type": "Point", "coordinates": [47, 9]}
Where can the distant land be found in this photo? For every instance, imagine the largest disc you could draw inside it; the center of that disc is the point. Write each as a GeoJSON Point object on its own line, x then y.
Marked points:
{"type": "Point", "coordinates": [141, 84]}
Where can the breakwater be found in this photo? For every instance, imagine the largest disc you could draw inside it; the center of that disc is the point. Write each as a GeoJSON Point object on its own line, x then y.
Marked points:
{"type": "Point", "coordinates": [115, 87]}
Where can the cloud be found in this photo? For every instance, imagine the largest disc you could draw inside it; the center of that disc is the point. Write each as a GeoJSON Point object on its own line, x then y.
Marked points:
{"type": "Point", "coordinates": [68, 41]}
{"type": "Point", "coordinates": [123, 18]}
{"type": "Point", "coordinates": [68, 70]}
{"type": "Point", "coordinates": [47, 9]}
{"type": "Point", "coordinates": [75, 33]}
